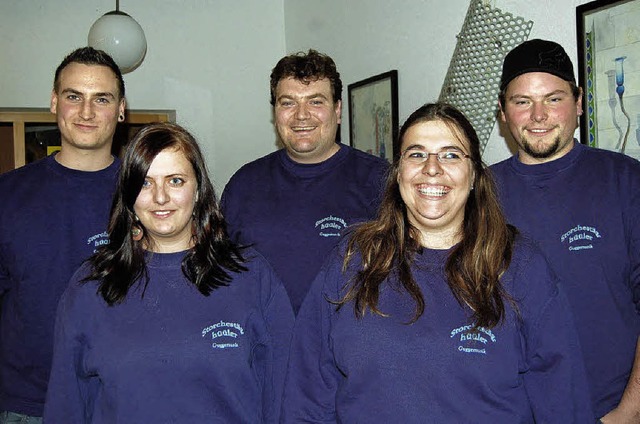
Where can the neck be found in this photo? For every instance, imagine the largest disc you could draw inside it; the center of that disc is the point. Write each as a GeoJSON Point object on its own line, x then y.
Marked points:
{"type": "Point", "coordinates": [86, 160]}
{"type": "Point", "coordinates": [527, 159]}
{"type": "Point", "coordinates": [439, 240]}
{"type": "Point", "coordinates": [315, 158]}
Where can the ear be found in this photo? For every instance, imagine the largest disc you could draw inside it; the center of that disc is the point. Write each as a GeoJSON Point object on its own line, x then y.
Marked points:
{"type": "Point", "coordinates": [579, 110]}
{"type": "Point", "coordinates": [121, 107]}
{"type": "Point", "coordinates": [502, 117]}
{"type": "Point", "coordinates": [339, 111]}
{"type": "Point", "coordinates": [53, 106]}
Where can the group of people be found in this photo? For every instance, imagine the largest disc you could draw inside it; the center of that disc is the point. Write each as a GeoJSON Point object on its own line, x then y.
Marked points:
{"type": "Point", "coordinates": [326, 285]}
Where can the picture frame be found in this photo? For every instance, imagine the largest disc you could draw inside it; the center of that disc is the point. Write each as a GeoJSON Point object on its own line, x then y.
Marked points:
{"type": "Point", "coordinates": [609, 73]}
{"type": "Point", "coordinates": [373, 114]}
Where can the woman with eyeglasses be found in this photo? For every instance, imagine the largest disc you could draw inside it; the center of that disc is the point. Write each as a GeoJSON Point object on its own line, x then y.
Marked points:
{"type": "Point", "coordinates": [437, 311]}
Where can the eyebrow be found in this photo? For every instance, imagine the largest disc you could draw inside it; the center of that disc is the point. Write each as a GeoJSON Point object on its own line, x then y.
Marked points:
{"type": "Point", "coordinates": [551, 94]}
{"type": "Point", "coordinates": [168, 176]}
{"type": "Point", "coordinates": [80, 93]}
{"type": "Point", "coordinates": [310, 96]}
{"type": "Point", "coordinates": [421, 147]}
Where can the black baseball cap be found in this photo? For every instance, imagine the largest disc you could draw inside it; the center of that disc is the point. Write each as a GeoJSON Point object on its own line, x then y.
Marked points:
{"type": "Point", "coordinates": [537, 56]}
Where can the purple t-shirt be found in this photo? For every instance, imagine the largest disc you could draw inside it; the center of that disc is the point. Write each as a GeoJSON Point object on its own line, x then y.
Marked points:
{"type": "Point", "coordinates": [584, 210]}
{"type": "Point", "coordinates": [51, 219]}
{"type": "Point", "coordinates": [294, 214]}
{"type": "Point", "coordinates": [381, 369]}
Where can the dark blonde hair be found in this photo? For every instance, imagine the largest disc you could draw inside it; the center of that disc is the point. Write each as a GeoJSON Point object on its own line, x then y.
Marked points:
{"type": "Point", "coordinates": [388, 244]}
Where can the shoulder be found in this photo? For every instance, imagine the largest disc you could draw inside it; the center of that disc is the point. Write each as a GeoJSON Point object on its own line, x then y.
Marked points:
{"type": "Point", "coordinates": [613, 173]}
{"type": "Point", "coordinates": [80, 295]}
{"type": "Point", "coordinates": [256, 168]}
{"type": "Point", "coordinates": [365, 161]}
{"type": "Point", "coordinates": [365, 172]}
{"type": "Point", "coordinates": [28, 172]}
{"type": "Point", "coordinates": [529, 270]}
{"type": "Point", "coordinates": [601, 159]}
{"type": "Point", "coordinates": [259, 272]}
{"type": "Point", "coordinates": [500, 168]}
{"type": "Point", "coordinates": [261, 278]}
{"type": "Point", "coordinates": [365, 158]}
{"type": "Point", "coordinates": [255, 261]}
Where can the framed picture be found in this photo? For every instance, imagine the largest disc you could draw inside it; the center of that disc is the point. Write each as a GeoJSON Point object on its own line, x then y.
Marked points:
{"type": "Point", "coordinates": [373, 114]}
{"type": "Point", "coordinates": [609, 73]}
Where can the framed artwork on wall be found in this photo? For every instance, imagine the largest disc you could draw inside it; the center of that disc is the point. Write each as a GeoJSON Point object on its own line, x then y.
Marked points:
{"type": "Point", "coordinates": [373, 114]}
{"type": "Point", "coordinates": [609, 72]}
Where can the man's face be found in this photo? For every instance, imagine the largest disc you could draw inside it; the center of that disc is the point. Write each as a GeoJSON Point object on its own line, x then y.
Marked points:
{"type": "Point", "coordinates": [542, 115]}
{"type": "Point", "coordinates": [307, 119]}
{"type": "Point", "coordinates": [87, 106]}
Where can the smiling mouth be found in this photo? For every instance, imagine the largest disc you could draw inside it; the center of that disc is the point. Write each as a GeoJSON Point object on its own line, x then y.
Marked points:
{"type": "Point", "coordinates": [303, 129]}
{"type": "Point", "coordinates": [85, 126]}
{"type": "Point", "coordinates": [539, 131]}
{"type": "Point", "coordinates": [433, 191]}
{"type": "Point", "coordinates": [161, 214]}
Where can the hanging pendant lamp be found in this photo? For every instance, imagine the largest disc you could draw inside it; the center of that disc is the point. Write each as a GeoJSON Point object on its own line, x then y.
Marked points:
{"type": "Point", "coordinates": [121, 37]}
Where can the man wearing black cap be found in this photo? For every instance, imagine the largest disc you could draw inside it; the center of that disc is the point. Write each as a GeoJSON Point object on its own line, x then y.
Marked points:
{"type": "Point", "coordinates": [583, 206]}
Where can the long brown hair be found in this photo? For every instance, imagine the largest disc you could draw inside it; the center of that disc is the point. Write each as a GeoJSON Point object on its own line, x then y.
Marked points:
{"type": "Point", "coordinates": [121, 263]}
{"type": "Point", "coordinates": [389, 243]}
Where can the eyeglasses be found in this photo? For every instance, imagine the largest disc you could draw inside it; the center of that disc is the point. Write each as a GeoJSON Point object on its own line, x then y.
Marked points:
{"type": "Point", "coordinates": [446, 157]}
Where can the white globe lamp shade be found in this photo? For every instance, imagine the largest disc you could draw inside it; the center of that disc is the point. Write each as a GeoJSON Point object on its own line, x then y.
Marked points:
{"type": "Point", "coordinates": [119, 35]}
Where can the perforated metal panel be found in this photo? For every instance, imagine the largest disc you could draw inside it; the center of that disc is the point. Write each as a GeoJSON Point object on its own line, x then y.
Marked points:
{"type": "Point", "coordinates": [473, 79]}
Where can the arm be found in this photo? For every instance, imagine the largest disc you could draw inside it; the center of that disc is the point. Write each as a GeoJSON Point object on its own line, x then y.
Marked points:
{"type": "Point", "coordinates": [312, 376]}
{"type": "Point", "coordinates": [229, 210]}
{"type": "Point", "coordinates": [553, 358]}
{"type": "Point", "coordinates": [628, 410]}
{"type": "Point", "coordinates": [279, 320]}
{"type": "Point", "coordinates": [70, 393]}
{"type": "Point", "coordinates": [5, 278]}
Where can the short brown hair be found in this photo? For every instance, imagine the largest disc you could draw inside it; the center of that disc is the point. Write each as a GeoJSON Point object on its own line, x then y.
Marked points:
{"type": "Point", "coordinates": [307, 67]}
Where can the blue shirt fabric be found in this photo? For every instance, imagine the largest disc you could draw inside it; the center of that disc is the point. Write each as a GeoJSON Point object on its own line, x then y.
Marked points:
{"type": "Point", "coordinates": [382, 370]}
{"type": "Point", "coordinates": [584, 210]}
{"type": "Point", "coordinates": [295, 213]}
{"type": "Point", "coordinates": [172, 355]}
{"type": "Point", "coordinates": [51, 219]}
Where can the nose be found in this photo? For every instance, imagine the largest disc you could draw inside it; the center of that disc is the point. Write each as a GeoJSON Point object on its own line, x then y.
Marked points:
{"type": "Point", "coordinates": [302, 112]}
{"type": "Point", "coordinates": [86, 110]}
{"type": "Point", "coordinates": [160, 195]}
{"type": "Point", "coordinates": [538, 112]}
{"type": "Point", "coordinates": [432, 166]}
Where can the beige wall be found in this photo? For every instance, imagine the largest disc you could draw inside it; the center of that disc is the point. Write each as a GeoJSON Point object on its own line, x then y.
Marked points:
{"type": "Point", "coordinates": [210, 59]}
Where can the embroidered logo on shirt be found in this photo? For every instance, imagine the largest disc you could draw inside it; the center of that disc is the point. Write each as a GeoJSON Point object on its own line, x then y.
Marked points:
{"type": "Point", "coordinates": [224, 334]}
{"type": "Point", "coordinates": [580, 237]}
{"type": "Point", "coordinates": [98, 240]}
{"type": "Point", "coordinates": [473, 341]}
{"type": "Point", "coordinates": [331, 226]}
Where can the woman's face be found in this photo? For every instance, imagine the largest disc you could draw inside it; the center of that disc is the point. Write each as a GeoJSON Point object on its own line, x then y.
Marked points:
{"type": "Point", "coordinates": [166, 201]}
{"type": "Point", "coordinates": [435, 193]}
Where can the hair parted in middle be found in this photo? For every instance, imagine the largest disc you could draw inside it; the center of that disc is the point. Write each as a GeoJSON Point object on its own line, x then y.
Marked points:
{"type": "Point", "coordinates": [118, 265]}
{"type": "Point", "coordinates": [388, 244]}
{"type": "Point", "coordinates": [307, 67]}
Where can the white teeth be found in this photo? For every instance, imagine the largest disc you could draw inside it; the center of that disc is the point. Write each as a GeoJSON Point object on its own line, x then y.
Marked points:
{"type": "Point", "coordinates": [163, 213]}
{"type": "Point", "coordinates": [432, 191]}
{"type": "Point", "coordinates": [538, 131]}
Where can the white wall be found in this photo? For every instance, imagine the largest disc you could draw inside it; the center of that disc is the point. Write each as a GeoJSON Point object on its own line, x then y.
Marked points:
{"type": "Point", "coordinates": [210, 59]}
{"type": "Point", "coordinates": [416, 37]}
